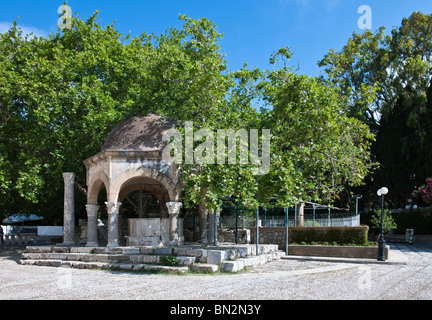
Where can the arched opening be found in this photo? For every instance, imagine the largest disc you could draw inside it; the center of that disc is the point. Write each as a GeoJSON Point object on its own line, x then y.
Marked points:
{"type": "Point", "coordinates": [144, 197]}
{"type": "Point", "coordinates": [143, 216]}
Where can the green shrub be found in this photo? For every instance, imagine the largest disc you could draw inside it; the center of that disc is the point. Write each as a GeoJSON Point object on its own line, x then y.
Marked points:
{"type": "Point", "coordinates": [333, 235]}
{"type": "Point", "coordinates": [169, 261]}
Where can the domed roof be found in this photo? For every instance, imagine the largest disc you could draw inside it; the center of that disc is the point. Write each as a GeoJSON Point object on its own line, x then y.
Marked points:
{"type": "Point", "coordinates": [140, 133]}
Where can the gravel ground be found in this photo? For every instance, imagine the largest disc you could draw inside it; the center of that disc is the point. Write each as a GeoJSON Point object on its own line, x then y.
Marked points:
{"type": "Point", "coordinates": [282, 279]}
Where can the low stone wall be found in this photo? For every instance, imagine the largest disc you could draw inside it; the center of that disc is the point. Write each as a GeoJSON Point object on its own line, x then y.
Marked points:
{"type": "Point", "coordinates": [224, 235]}
{"type": "Point", "coordinates": [336, 251]}
{"type": "Point", "coordinates": [270, 236]}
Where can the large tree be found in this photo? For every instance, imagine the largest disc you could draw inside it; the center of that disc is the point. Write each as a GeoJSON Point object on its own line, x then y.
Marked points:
{"type": "Point", "coordinates": [318, 150]}
{"type": "Point", "coordinates": [387, 78]}
{"type": "Point", "coordinates": [60, 97]}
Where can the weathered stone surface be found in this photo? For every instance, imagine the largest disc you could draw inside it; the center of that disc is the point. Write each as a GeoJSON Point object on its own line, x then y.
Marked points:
{"type": "Point", "coordinates": [195, 252]}
{"type": "Point", "coordinates": [147, 250]}
{"type": "Point", "coordinates": [113, 231]}
{"type": "Point", "coordinates": [75, 256]}
{"type": "Point", "coordinates": [85, 250]}
{"type": "Point", "coordinates": [134, 258]}
{"type": "Point", "coordinates": [207, 268]}
{"type": "Point", "coordinates": [92, 225]}
{"type": "Point", "coordinates": [215, 256]}
{"type": "Point", "coordinates": [336, 251]}
{"type": "Point", "coordinates": [185, 261]}
{"type": "Point", "coordinates": [232, 266]}
{"type": "Point", "coordinates": [61, 249]}
{"type": "Point", "coordinates": [69, 209]}
{"type": "Point", "coordinates": [39, 249]}
{"type": "Point", "coordinates": [126, 250]}
{"type": "Point", "coordinates": [163, 250]}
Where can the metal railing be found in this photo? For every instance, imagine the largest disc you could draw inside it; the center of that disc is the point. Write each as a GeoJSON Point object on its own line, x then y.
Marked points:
{"type": "Point", "coordinates": [317, 220]}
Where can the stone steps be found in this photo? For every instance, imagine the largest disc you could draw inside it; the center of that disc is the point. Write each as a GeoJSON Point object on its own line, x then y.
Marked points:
{"type": "Point", "coordinates": [104, 266]}
{"type": "Point", "coordinates": [227, 257]}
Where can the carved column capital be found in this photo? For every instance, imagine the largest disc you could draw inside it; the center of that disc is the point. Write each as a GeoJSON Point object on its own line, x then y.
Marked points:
{"type": "Point", "coordinates": [113, 207]}
{"type": "Point", "coordinates": [92, 209]}
{"type": "Point", "coordinates": [174, 207]}
{"type": "Point", "coordinates": [69, 177]}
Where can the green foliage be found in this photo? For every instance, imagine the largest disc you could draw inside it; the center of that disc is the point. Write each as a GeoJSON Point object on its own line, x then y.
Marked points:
{"type": "Point", "coordinates": [334, 235]}
{"type": "Point", "coordinates": [388, 221]}
{"type": "Point", "coordinates": [61, 96]}
{"type": "Point", "coordinates": [419, 219]}
{"type": "Point", "coordinates": [317, 149]}
{"type": "Point", "coordinates": [386, 79]}
{"type": "Point", "coordinates": [169, 261]}
{"type": "Point", "coordinates": [424, 193]}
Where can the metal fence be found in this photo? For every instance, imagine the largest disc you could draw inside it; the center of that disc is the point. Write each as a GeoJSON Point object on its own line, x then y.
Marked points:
{"type": "Point", "coordinates": [319, 220]}
{"type": "Point", "coordinates": [310, 220]}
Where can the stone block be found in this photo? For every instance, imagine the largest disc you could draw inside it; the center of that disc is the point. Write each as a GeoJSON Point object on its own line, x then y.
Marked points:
{"type": "Point", "coordinates": [181, 251]}
{"type": "Point", "coordinates": [124, 266]}
{"type": "Point", "coordinates": [194, 253]}
{"type": "Point", "coordinates": [57, 256]}
{"type": "Point", "coordinates": [130, 250]}
{"type": "Point", "coordinates": [31, 255]}
{"type": "Point", "coordinates": [215, 256]}
{"type": "Point", "coordinates": [61, 249]}
{"type": "Point", "coordinates": [39, 249]}
{"type": "Point", "coordinates": [149, 259]}
{"type": "Point", "coordinates": [154, 227]}
{"type": "Point", "coordinates": [185, 261]}
{"type": "Point", "coordinates": [147, 250]}
{"type": "Point", "coordinates": [207, 268]}
{"type": "Point", "coordinates": [164, 226]}
{"type": "Point", "coordinates": [113, 250]}
{"type": "Point", "coordinates": [83, 250]}
{"type": "Point", "coordinates": [242, 252]}
{"type": "Point", "coordinates": [231, 254]}
{"type": "Point", "coordinates": [75, 256]}
{"type": "Point", "coordinates": [163, 250]}
{"type": "Point", "coordinates": [232, 266]}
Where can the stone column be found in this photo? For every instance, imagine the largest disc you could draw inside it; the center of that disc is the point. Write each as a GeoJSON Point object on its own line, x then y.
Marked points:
{"type": "Point", "coordinates": [212, 234]}
{"type": "Point", "coordinates": [113, 227]}
{"type": "Point", "coordinates": [92, 225]}
{"type": "Point", "coordinates": [202, 212]}
{"type": "Point", "coordinates": [173, 211]}
{"type": "Point", "coordinates": [300, 214]}
{"type": "Point", "coordinates": [69, 209]}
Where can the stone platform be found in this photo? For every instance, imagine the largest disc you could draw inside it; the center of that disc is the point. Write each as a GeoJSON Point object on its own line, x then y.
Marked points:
{"type": "Point", "coordinates": [176, 259]}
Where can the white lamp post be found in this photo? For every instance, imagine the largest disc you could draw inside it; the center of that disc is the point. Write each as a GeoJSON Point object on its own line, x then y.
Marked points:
{"type": "Point", "coordinates": [381, 243]}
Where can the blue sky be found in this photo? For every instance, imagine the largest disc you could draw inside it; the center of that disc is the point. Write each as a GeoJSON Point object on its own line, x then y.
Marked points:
{"type": "Point", "coordinates": [252, 29]}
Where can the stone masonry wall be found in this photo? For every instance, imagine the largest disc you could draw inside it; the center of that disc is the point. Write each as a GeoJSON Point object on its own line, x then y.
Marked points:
{"type": "Point", "coordinates": [270, 236]}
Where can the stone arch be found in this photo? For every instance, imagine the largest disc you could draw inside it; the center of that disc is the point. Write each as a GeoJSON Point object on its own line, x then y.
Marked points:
{"type": "Point", "coordinates": [98, 181]}
{"type": "Point", "coordinates": [134, 174]}
{"type": "Point", "coordinates": [141, 183]}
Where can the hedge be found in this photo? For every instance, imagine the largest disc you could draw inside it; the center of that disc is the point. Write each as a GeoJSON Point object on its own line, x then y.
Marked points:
{"type": "Point", "coordinates": [341, 235]}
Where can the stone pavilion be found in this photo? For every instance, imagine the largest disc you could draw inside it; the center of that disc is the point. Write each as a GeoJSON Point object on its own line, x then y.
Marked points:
{"type": "Point", "coordinates": [130, 161]}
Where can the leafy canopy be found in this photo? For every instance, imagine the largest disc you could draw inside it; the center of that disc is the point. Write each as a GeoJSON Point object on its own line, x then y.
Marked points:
{"type": "Point", "coordinates": [61, 96]}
